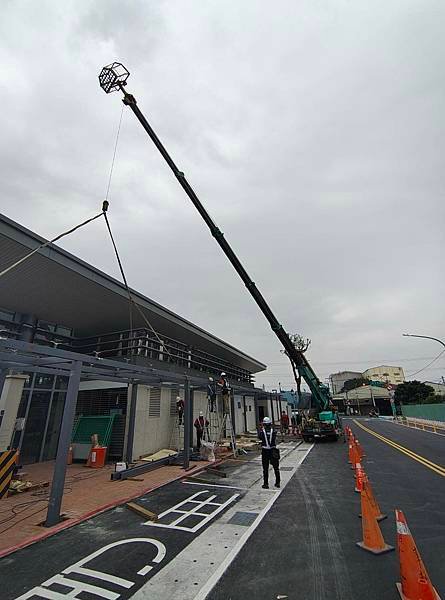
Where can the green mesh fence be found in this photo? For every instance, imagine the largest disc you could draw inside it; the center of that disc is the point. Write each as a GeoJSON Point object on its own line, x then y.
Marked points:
{"type": "Point", "coordinates": [432, 412]}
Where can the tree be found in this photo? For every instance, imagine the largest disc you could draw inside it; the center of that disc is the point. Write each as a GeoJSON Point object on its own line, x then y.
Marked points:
{"type": "Point", "coordinates": [351, 384]}
{"type": "Point", "coordinates": [301, 345]}
{"type": "Point", "coordinates": [414, 392]}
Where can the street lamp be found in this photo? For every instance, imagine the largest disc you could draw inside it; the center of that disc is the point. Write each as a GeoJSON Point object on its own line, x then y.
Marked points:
{"type": "Point", "coordinates": [427, 337]}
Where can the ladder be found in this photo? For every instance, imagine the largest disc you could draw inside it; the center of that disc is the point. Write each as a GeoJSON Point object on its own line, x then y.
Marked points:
{"type": "Point", "coordinates": [226, 429]}
{"type": "Point", "coordinates": [218, 414]}
{"type": "Point", "coordinates": [213, 417]}
{"type": "Point", "coordinates": [177, 435]}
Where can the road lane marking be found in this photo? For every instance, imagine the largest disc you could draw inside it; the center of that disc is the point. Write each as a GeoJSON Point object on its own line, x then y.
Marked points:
{"type": "Point", "coordinates": [420, 459]}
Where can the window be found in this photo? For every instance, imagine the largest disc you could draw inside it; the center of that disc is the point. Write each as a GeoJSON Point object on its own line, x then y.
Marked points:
{"type": "Point", "coordinates": [154, 407]}
{"type": "Point", "coordinates": [67, 331]}
{"type": "Point", "coordinates": [6, 315]}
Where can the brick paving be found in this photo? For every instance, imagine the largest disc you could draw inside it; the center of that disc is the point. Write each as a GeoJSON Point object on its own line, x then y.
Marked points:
{"type": "Point", "coordinates": [86, 491]}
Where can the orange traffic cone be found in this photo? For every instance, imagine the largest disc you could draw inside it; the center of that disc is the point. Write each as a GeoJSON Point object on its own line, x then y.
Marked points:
{"type": "Point", "coordinates": [350, 454]}
{"type": "Point", "coordinates": [359, 449]}
{"type": "Point", "coordinates": [415, 583]}
{"type": "Point", "coordinates": [372, 500]}
{"type": "Point", "coordinates": [355, 457]}
{"type": "Point", "coordinates": [359, 476]}
{"type": "Point", "coordinates": [372, 536]}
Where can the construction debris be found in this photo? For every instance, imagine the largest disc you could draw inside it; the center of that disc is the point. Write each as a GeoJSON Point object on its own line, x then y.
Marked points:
{"type": "Point", "coordinates": [164, 453]}
{"type": "Point", "coordinates": [143, 512]}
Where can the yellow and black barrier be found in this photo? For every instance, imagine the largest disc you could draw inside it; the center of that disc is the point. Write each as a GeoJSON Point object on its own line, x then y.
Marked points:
{"type": "Point", "coordinates": [7, 464]}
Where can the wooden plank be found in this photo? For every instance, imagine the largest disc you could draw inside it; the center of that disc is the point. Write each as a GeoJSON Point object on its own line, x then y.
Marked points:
{"type": "Point", "coordinates": [143, 512]}
{"type": "Point", "coordinates": [198, 479]}
{"type": "Point", "coordinates": [214, 471]}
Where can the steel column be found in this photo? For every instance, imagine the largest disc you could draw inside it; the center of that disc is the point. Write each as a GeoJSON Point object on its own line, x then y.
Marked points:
{"type": "Point", "coordinates": [232, 416]}
{"type": "Point", "coordinates": [245, 414]}
{"type": "Point", "coordinates": [131, 423]}
{"type": "Point", "coordinates": [187, 423]}
{"type": "Point", "coordinates": [257, 411]}
{"type": "Point", "coordinates": [58, 483]}
{"type": "Point", "coordinates": [271, 409]}
{"type": "Point", "coordinates": [3, 373]}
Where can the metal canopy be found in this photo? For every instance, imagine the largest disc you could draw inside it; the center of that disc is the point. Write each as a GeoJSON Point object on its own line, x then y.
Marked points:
{"type": "Point", "coordinates": [19, 356]}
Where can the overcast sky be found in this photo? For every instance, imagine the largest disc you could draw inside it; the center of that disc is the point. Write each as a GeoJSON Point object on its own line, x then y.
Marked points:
{"type": "Point", "coordinates": [313, 132]}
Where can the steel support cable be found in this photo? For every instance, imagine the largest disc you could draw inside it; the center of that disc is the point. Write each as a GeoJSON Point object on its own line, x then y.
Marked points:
{"type": "Point", "coordinates": [121, 268]}
{"type": "Point", "coordinates": [130, 297]}
{"type": "Point", "coordinates": [47, 243]}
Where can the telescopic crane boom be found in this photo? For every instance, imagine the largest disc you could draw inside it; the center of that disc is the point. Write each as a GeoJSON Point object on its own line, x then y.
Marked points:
{"type": "Point", "coordinates": [114, 78]}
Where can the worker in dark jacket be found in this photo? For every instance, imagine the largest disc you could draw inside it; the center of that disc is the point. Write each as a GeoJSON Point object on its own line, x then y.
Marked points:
{"type": "Point", "coordinates": [269, 452]}
{"type": "Point", "coordinates": [201, 424]}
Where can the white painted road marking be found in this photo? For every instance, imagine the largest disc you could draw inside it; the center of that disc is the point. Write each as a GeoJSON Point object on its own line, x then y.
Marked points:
{"type": "Point", "coordinates": [77, 587]}
{"type": "Point", "coordinates": [184, 514]}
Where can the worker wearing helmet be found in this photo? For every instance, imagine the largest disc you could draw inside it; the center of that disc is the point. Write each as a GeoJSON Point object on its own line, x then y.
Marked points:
{"type": "Point", "coordinates": [225, 392]}
{"type": "Point", "coordinates": [270, 455]}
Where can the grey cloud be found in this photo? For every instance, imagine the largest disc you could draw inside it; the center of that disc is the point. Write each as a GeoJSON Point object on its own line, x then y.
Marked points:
{"type": "Point", "coordinates": [313, 133]}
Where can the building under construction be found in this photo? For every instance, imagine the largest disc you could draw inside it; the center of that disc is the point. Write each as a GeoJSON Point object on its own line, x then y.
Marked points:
{"type": "Point", "coordinates": [56, 301]}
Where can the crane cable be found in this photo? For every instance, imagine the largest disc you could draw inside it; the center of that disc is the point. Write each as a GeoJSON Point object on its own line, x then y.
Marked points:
{"type": "Point", "coordinates": [130, 297]}
{"type": "Point", "coordinates": [105, 205]}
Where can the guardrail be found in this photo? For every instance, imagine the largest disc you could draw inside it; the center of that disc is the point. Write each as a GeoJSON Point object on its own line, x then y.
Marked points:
{"type": "Point", "coordinates": [423, 424]}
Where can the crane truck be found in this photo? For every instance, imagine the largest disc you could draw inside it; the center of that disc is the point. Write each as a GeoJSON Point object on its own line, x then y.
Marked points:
{"type": "Point", "coordinates": [321, 420]}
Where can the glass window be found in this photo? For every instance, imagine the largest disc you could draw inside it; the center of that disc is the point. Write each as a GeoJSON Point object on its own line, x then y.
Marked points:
{"type": "Point", "coordinates": [6, 315]}
{"type": "Point", "coordinates": [35, 427]}
{"type": "Point", "coordinates": [61, 383]}
{"type": "Point", "coordinates": [52, 433]}
{"type": "Point", "coordinates": [64, 330]}
{"type": "Point", "coordinates": [21, 412]}
{"type": "Point", "coordinates": [43, 381]}
{"type": "Point", "coordinates": [46, 326]}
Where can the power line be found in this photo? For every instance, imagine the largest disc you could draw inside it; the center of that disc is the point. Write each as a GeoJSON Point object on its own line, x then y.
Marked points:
{"type": "Point", "coordinates": [373, 360]}
{"type": "Point", "coordinates": [426, 367]}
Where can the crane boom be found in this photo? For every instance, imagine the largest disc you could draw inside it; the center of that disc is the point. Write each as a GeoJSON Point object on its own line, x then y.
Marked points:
{"type": "Point", "coordinates": [113, 78]}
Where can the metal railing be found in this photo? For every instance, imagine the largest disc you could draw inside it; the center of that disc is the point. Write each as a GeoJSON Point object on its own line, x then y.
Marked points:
{"type": "Point", "coordinates": [143, 343]}
{"type": "Point", "coordinates": [42, 336]}
{"type": "Point", "coordinates": [423, 424]}
{"type": "Point", "coordinates": [138, 343]}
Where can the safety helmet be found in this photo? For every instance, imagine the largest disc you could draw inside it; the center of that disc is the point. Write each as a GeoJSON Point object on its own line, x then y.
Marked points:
{"type": "Point", "coordinates": [223, 374]}
{"type": "Point", "coordinates": [267, 421]}
{"type": "Point", "coordinates": [178, 398]}
{"type": "Point", "coordinates": [201, 414]}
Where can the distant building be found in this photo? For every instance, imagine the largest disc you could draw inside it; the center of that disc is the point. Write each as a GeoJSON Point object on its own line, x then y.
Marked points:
{"type": "Point", "coordinates": [363, 399]}
{"type": "Point", "coordinates": [385, 374]}
{"type": "Point", "coordinates": [293, 401]}
{"type": "Point", "coordinates": [338, 379]}
{"type": "Point", "coordinates": [439, 388]}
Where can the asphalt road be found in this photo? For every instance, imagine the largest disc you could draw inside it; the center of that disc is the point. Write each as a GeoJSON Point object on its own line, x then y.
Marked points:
{"type": "Point", "coordinates": [305, 546]}
{"type": "Point", "coordinates": [131, 551]}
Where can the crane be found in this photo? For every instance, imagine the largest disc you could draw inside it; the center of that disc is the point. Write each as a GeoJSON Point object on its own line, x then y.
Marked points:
{"type": "Point", "coordinates": [321, 420]}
